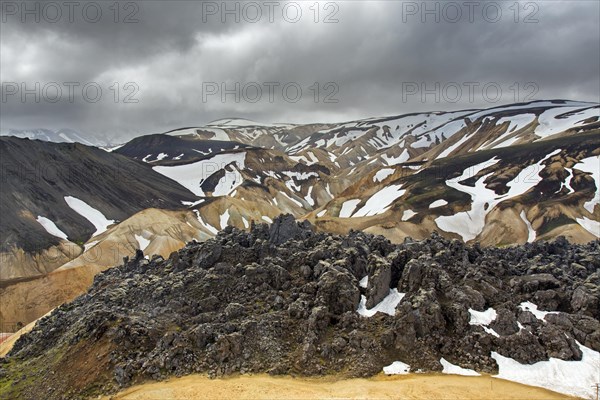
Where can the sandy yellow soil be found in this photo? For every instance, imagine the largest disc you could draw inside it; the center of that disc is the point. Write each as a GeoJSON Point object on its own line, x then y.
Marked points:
{"type": "Point", "coordinates": [256, 387]}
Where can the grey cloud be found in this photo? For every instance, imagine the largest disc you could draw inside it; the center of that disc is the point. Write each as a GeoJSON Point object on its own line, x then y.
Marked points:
{"type": "Point", "coordinates": [369, 54]}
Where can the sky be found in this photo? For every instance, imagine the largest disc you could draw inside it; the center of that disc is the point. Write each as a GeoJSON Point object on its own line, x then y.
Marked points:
{"type": "Point", "coordinates": [119, 70]}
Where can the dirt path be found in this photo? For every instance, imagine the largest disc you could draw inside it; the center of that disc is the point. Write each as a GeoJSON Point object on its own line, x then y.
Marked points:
{"type": "Point", "coordinates": [256, 387]}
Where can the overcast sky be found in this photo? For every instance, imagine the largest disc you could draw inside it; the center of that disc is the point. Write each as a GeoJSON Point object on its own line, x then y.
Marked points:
{"type": "Point", "coordinates": [171, 60]}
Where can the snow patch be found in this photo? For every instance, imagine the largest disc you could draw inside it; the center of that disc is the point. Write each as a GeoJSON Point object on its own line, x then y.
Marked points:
{"type": "Point", "coordinates": [207, 226]}
{"type": "Point", "coordinates": [408, 214]}
{"type": "Point", "coordinates": [453, 147]}
{"type": "Point", "coordinates": [469, 224]}
{"type": "Point", "coordinates": [348, 208]}
{"type": "Point", "coordinates": [90, 245]}
{"type": "Point", "coordinates": [296, 202]}
{"type": "Point", "coordinates": [532, 308]}
{"type": "Point", "coordinates": [382, 174]}
{"type": "Point", "coordinates": [192, 203]}
{"type": "Point", "coordinates": [142, 242]}
{"type": "Point", "coordinates": [100, 222]}
{"type": "Point", "coordinates": [396, 368]}
{"type": "Point", "coordinates": [452, 369]}
{"type": "Point", "coordinates": [192, 176]}
{"type": "Point", "coordinates": [589, 225]}
{"type": "Point", "coordinates": [391, 161]}
{"type": "Point", "coordinates": [380, 201]}
{"type": "Point", "coordinates": [224, 219]}
{"type": "Point", "coordinates": [328, 190]}
{"type": "Point", "coordinates": [483, 319]}
{"type": "Point", "coordinates": [161, 156]}
{"type": "Point", "coordinates": [51, 227]}
{"type": "Point", "coordinates": [576, 378]}
{"type": "Point", "coordinates": [591, 165]}
{"type": "Point", "coordinates": [567, 182]}
{"type": "Point", "coordinates": [516, 122]}
{"type": "Point", "coordinates": [308, 197]}
{"type": "Point", "coordinates": [559, 119]}
{"type": "Point", "coordinates": [531, 232]}
{"type": "Point", "coordinates": [364, 282]}
{"type": "Point", "coordinates": [387, 305]}
{"type": "Point", "coordinates": [438, 203]}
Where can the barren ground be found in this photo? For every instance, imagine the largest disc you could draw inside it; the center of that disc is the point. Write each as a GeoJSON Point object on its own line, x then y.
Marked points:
{"type": "Point", "coordinates": [414, 386]}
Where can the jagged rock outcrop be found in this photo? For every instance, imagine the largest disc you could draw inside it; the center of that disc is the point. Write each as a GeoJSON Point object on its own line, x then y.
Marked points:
{"type": "Point", "coordinates": [284, 299]}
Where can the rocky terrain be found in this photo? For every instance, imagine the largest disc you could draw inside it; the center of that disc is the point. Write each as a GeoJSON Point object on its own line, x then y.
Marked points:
{"type": "Point", "coordinates": [286, 299]}
{"type": "Point", "coordinates": [501, 176]}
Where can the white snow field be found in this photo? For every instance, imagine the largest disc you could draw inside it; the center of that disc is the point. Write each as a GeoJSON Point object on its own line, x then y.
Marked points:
{"type": "Point", "coordinates": [438, 203]}
{"type": "Point", "coordinates": [592, 166]}
{"type": "Point", "coordinates": [483, 319]}
{"type": "Point", "coordinates": [90, 245]}
{"type": "Point", "coordinates": [382, 174]}
{"type": "Point", "coordinates": [575, 378]}
{"type": "Point", "coordinates": [380, 202]}
{"type": "Point", "coordinates": [364, 282]}
{"type": "Point", "coordinates": [387, 305]}
{"type": "Point", "coordinates": [309, 198]}
{"type": "Point", "coordinates": [567, 182]}
{"type": "Point", "coordinates": [51, 227]}
{"type": "Point", "coordinates": [408, 214]}
{"type": "Point", "coordinates": [453, 147]}
{"type": "Point", "coordinates": [452, 369]}
{"type": "Point", "coordinates": [469, 224]}
{"type": "Point", "coordinates": [536, 104]}
{"type": "Point", "coordinates": [224, 219]}
{"type": "Point", "coordinates": [348, 208]}
{"type": "Point", "coordinates": [100, 222]}
{"type": "Point", "coordinates": [533, 308]}
{"type": "Point", "coordinates": [531, 234]}
{"type": "Point", "coordinates": [448, 130]}
{"type": "Point", "coordinates": [590, 225]}
{"type": "Point", "coordinates": [296, 202]}
{"type": "Point", "coordinates": [391, 161]}
{"type": "Point", "coordinates": [396, 368]}
{"type": "Point", "coordinates": [516, 122]}
{"type": "Point", "coordinates": [192, 176]}
{"type": "Point", "coordinates": [207, 226]}
{"type": "Point", "coordinates": [142, 242]}
{"type": "Point", "coordinates": [556, 120]}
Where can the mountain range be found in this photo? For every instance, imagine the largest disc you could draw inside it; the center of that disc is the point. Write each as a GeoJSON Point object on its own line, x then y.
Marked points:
{"type": "Point", "coordinates": [500, 176]}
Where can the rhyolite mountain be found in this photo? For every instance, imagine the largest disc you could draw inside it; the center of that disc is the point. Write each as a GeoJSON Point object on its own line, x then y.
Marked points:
{"type": "Point", "coordinates": [36, 178]}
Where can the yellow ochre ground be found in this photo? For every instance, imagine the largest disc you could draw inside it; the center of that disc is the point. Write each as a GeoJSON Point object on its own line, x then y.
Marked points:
{"type": "Point", "coordinates": [262, 387]}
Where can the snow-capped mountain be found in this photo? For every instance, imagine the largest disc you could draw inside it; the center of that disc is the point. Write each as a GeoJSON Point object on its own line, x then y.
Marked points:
{"type": "Point", "coordinates": [362, 173]}
{"type": "Point", "coordinates": [56, 136]}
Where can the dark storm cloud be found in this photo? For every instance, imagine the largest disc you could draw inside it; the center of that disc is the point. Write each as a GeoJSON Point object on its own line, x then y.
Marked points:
{"type": "Point", "coordinates": [374, 55]}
